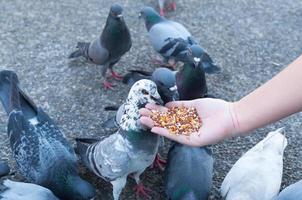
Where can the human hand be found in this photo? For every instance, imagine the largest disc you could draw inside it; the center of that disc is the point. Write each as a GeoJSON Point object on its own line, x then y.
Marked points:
{"type": "Point", "coordinates": [217, 116]}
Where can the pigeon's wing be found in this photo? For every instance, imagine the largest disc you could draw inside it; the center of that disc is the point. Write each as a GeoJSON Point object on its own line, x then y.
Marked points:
{"type": "Point", "coordinates": [25, 145]}
{"type": "Point", "coordinates": [180, 180]}
{"type": "Point", "coordinates": [54, 136]}
{"type": "Point", "coordinates": [260, 178]}
{"type": "Point", "coordinates": [97, 53]}
{"type": "Point", "coordinates": [21, 190]}
{"type": "Point", "coordinates": [161, 32]}
{"type": "Point", "coordinates": [36, 144]}
{"type": "Point", "coordinates": [182, 31]}
{"type": "Point", "coordinates": [135, 75]}
{"type": "Point", "coordinates": [109, 158]}
{"type": "Point", "coordinates": [114, 122]}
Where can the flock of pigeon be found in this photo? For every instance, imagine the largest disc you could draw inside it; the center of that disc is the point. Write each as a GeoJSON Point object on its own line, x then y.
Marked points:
{"type": "Point", "coordinates": [49, 163]}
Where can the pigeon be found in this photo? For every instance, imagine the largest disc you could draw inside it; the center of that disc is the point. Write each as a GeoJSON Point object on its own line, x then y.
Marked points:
{"type": "Point", "coordinates": [191, 82]}
{"type": "Point", "coordinates": [292, 192]}
{"type": "Point", "coordinates": [174, 42]}
{"type": "Point", "coordinates": [40, 149]}
{"type": "Point", "coordinates": [4, 169]}
{"type": "Point", "coordinates": [162, 6]}
{"type": "Point", "coordinates": [189, 170]}
{"type": "Point", "coordinates": [11, 190]}
{"type": "Point", "coordinates": [188, 173]}
{"type": "Point", "coordinates": [108, 49]}
{"type": "Point", "coordinates": [164, 78]}
{"type": "Point", "coordinates": [131, 149]}
{"type": "Point", "coordinates": [258, 173]}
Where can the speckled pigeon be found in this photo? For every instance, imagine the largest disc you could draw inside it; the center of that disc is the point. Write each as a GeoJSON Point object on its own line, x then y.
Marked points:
{"type": "Point", "coordinates": [108, 49]}
{"type": "Point", "coordinates": [188, 174]}
{"type": "Point", "coordinates": [11, 190]}
{"type": "Point", "coordinates": [4, 169]}
{"type": "Point", "coordinates": [128, 151]}
{"type": "Point", "coordinates": [41, 151]}
{"type": "Point", "coordinates": [164, 4]}
{"type": "Point", "coordinates": [292, 192]}
{"type": "Point", "coordinates": [174, 42]}
{"type": "Point", "coordinates": [258, 173]}
{"type": "Point", "coordinates": [166, 85]}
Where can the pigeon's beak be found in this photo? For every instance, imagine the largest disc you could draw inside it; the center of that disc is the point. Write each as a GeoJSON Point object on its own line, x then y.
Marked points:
{"type": "Point", "coordinates": [140, 15]}
{"type": "Point", "coordinates": [120, 16]}
{"type": "Point", "coordinates": [196, 61]}
{"type": "Point", "coordinates": [173, 89]}
{"type": "Point", "coordinates": [157, 100]}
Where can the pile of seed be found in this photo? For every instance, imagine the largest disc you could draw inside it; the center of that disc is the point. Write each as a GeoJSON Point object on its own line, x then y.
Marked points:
{"type": "Point", "coordinates": [178, 120]}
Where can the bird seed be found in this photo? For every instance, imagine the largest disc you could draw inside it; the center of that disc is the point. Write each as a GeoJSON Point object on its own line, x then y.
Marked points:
{"type": "Point", "coordinates": [178, 120]}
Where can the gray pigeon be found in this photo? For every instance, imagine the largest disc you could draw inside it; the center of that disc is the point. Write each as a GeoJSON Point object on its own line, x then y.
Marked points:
{"type": "Point", "coordinates": [42, 153]}
{"type": "Point", "coordinates": [292, 192]}
{"type": "Point", "coordinates": [174, 42]}
{"type": "Point", "coordinates": [128, 151]}
{"type": "Point", "coordinates": [258, 173]}
{"type": "Point", "coordinates": [188, 173]}
{"type": "Point", "coordinates": [11, 190]}
{"type": "Point", "coordinates": [166, 5]}
{"type": "Point", "coordinates": [108, 49]}
{"type": "Point", "coordinates": [4, 169]}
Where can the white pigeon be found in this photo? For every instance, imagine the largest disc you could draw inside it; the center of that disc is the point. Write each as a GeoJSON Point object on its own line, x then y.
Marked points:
{"type": "Point", "coordinates": [257, 174]}
{"type": "Point", "coordinates": [11, 190]}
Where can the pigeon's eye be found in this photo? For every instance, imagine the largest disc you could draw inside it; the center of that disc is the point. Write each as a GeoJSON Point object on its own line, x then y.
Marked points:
{"type": "Point", "coordinates": [145, 92]}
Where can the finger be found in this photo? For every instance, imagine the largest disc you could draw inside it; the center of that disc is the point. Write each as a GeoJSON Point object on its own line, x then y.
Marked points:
{"type": "Point", "coordinates": [179, 104]}
{"type": "Point", "coordinates": [145, 112]}
{"type": "Point", "coordinates": [156, 107]}
{"type": "Point", "coordinates": [178, 138]}
{"type": "Point", "coordinates": [147, 121]}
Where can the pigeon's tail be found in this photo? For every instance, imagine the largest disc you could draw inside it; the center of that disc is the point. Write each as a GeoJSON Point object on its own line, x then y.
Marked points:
{"type": "Point", "coordinates": [82, 145]}
{"type": "Point", "coordinates": [110, 123]}
{"type": "Point", "coordinates": [111, 108]}
{"type": "Point", "coordinates": [208, 65]}
{"type": "Point", "coordinates": [3, 188]}
{"type": "Point", "coordinates": [9, 94]}
{"type": "Point", "coordinates": [82, 50]}
{"type": "Point", "coordinates": [4, 169]}
{"type": "Point", "coordinates": [135, 75]}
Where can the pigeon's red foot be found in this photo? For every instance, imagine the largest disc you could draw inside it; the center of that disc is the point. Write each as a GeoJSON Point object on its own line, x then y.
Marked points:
{"type": "Point", "coordinates": [157, 61]}
{"type": "Point", "coordinates": [162, 12]}
{"type": "Point", "coordinates": [173, 6]}
{"type": "Point", "coordinates": [159, 162]}
{"type": "Point", "coordinates": [116, 76]}
{"type": "Point", "coordinates": [141, 190]}
{"type": "Point", "coordinates": [107, 85]}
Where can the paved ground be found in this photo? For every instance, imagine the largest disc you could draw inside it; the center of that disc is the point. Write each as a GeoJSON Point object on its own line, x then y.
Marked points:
{"type": "Point", "coordinates": [250, 40]}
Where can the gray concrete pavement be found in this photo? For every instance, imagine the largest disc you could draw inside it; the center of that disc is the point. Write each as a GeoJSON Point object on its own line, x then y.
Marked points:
{"type": "Point", "coordinates": [251, 40]}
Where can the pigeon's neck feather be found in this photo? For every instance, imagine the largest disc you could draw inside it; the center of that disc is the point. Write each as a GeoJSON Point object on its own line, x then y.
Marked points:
{"type": "Point", "coordinates": [152, 20]}
{"type": "Point", "coordinates": [130, 116]}
{"type": "Point", "coordinates": [114, 33]}
{"type": "Point", "coordinates": [191, 82]}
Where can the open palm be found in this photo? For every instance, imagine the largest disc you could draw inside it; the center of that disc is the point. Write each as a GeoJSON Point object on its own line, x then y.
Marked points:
{"type": "Point", "coordinates": [217, 116]}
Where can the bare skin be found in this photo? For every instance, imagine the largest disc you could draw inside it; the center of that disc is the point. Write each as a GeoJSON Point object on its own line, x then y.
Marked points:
{"type": "Point", "coordinates": [278, 98]}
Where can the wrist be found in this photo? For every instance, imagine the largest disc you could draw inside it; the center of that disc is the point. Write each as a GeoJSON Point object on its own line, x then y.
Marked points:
{"type": "Point", "coordinates": [236, 128]}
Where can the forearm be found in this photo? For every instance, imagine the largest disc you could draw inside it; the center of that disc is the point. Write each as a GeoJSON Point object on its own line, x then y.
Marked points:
{"type": "Point", "coordinates": [278, 98]}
